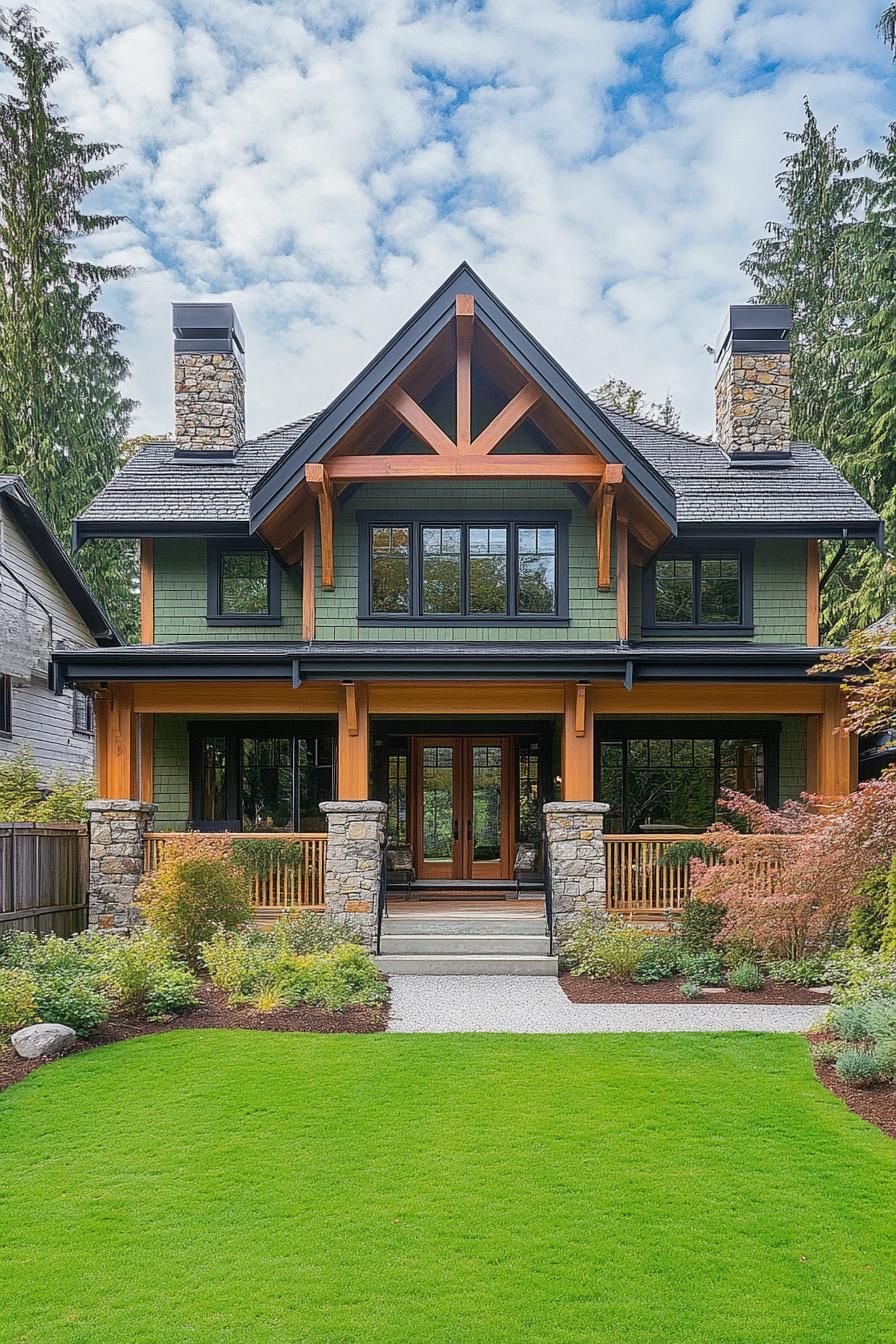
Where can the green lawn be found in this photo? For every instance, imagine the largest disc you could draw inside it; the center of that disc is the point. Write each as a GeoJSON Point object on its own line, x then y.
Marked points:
{"type": "Point", "coordinates": [260, 1188]}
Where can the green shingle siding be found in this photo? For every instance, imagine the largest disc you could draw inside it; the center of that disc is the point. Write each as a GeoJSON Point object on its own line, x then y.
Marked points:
{"type": "Point", "coordinates": [181, 599]}
{"type": "Point", "coordinates": [592, 613]}
{"type": "Point", "coordinates": [171, 784]}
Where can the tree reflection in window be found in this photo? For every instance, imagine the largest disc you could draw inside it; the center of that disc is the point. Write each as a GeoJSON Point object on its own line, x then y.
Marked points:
{"type": "Point", "coordinates": [390, 570]}
{"type": "Point", "coordinates": [488, 570]}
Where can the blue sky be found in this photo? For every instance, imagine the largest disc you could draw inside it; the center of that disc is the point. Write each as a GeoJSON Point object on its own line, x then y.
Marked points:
{"type": "Point", "coordinates": [604, 165]}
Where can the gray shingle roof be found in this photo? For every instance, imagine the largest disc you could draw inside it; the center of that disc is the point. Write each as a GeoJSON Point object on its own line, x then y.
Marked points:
{"type": "Point", "coordinates": [154, 487]}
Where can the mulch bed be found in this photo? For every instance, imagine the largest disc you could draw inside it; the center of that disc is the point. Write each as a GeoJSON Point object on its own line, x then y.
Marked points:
{"type": "Point", "coordinates": [877, 1105]}
{"type": "Point", "coordinates": [212, 1011]}
{"type": "Point", "coordinates": [583, 989]}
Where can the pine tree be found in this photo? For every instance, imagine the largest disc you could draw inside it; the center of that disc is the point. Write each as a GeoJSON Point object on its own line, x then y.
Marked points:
{"type": "Point", "coordinates": [887, 26]}
{"type": "Point", "coordinates": [62, 414]}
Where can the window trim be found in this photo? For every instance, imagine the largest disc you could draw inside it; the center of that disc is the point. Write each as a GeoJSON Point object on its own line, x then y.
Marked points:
{"type": "Point", "coordinates": [216, 550]}
{"type": "Point", "coordinates": [768, 731]}
{"type": "Point", "coordinates": [415, 520]}
{"type": "Point", "coordinates": [232, 732]}
{"type": "Point", "coordinates": [696, 551]}
{"type": "Point", "coordinates": [91, 721]}
{"type": "Point", "coordinates": [5, 705]}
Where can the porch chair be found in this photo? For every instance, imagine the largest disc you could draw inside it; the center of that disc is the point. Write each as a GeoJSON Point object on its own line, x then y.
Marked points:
{"type": "Point", "coordinates": [400, 868]}
{"type": "Point", "coordinates": [525, 867]}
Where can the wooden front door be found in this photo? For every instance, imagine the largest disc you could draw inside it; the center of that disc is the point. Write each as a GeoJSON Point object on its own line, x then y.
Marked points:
{"type": "Point", "coordinates": [464, 815]}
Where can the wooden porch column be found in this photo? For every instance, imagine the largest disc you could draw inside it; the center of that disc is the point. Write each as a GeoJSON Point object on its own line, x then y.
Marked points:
{"type": "Point", "coordinates": [578, 743]}
{"type": "Point", "coordinates": [837, 753]}
{"type": "Point", "coordinates": [116, 742]}
{"type": "Point", "coordinates": [354, 742]}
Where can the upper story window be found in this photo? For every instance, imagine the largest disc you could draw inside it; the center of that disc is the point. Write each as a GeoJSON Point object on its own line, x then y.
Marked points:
{"type": "Point", "coordinates": [243, 584]}
{"type": "Point", "coordinates": [471, 569]}
{"type": "Point", "coordinates": [700, 589]}
{"type": "Point", "coordinates": [82, 712]}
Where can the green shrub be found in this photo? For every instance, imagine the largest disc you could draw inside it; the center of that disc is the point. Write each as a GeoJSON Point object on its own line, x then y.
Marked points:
{"type": "Point", "coordinates": [679, 854]}
{"type": "Point", "coordinates": [888, 933]}
{"type": "Point", "coordinates": [660, 960]}
{"type": "Point", "coordinates": [256, 858]}
{"type": "Point", "coordinates": [191, 895]}
{"type": "Point", "coordinates": [691, 989]}
{"type": "Point", "coordinates": [23, 799]}
{"type": "Point", "coordinates": [238, 961]}
{"type": "Point", "coordinates": [335, 979]}
{"type": "Point", "coordinates": [885, 1058]}
{"type": "Point", "coordinates": [604, 947]}
{"type": "Point", "coordinates": [869, 915]}
{"type": "Point", "coordinates": [145, 980]}
{"type": "Point", "coordinates": [807, 971]}
{"type": "Point", "coordinates": [701, 924]}
{"type": "Point", "coordinates": [18, 1001]}
{"type": "Point", "coordinates": [703, 968]}
{"type": "Point", "coordinates": [745, 976]}
{"type": "Point", "coordinates": [856, 975]}
{"type": "Point", "coordinates": [77, 1002]}
{"type": "Point", "coordinates": [257, 967]}
{"type": "Point", "coordinates": [314, 931]}
{"type": "Point", "coordinates": [850, 1022]}
{"type": "Point", "coordinates": [858, 1067]}
{"type": "Point", "coordinates": [824, 1052]}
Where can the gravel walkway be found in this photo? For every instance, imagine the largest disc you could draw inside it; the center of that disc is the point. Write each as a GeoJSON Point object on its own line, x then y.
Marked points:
{"type": "Point", "coordinates": [520, 1003]}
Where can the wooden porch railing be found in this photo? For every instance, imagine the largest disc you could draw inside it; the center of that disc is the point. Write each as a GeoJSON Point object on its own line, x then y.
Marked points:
{"type": "Point", "coordinates": [285, 882]}
{"type": "Point", "coordinates": [638, 883]}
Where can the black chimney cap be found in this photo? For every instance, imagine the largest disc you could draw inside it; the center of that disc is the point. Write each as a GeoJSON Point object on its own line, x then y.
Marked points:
{"type": "Point", "coordinates": [755, 329]}
{"type": "Point", "coordinates": [201, 327]}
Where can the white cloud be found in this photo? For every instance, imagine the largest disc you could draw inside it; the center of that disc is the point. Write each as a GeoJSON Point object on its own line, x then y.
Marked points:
{"type": "Point", "coordinates": [325, 166]}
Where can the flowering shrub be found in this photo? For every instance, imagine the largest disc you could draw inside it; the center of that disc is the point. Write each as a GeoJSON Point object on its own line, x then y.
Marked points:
{"type": "Point", "coordinates": [789, 881]}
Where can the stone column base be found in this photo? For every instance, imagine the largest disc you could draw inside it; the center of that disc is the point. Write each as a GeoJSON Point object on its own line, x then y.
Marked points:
{"type": "Point", "coordinates": [116, 829]}
{"type": "Point", "coordinates": [575, 843]}
{"type": "Point", "coordinates": [356, 837]}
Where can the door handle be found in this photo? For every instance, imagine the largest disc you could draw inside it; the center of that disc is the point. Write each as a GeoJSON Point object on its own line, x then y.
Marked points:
{"type": "Point", "coordinates": [454, 831]}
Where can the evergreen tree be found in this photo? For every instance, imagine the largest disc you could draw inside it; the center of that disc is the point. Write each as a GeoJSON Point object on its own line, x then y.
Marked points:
{"type": "Point", "coordinates": [62, 414]}
{"type": "Point", "coordinates": [618, 395]}
{"type": "Point", "coordinates": [887, 26]}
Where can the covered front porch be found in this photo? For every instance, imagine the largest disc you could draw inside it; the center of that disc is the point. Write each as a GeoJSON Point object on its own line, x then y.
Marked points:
{"type": "Point", "coordinates": [464, 770]}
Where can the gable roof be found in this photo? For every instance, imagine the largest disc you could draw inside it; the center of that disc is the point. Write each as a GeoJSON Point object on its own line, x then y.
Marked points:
{"type": "Point", "coordinates": [35, 528]}
{"type": "Point", "coordinates": [392, 361]}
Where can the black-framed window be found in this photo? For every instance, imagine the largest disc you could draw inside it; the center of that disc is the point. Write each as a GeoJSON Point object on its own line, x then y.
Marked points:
{"type": "Point", "coordinates": [6, 705]}
{"type": "Point", "coordinates": [244, 582]}
{"type": "Point", "coordinates": [469, 568]}
{"type": "Point", "coordinates": [82, 711]}
{"type": "Point", "coordinates": [704, 589]}
{"type": "Point", "coordinates": [669, 776]}
{"type": "Point", "coordinates": [261, 775]}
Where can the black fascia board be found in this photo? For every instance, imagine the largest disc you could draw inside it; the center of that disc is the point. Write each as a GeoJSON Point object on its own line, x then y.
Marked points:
{"type": "Point", "coordinates": [45, 545]}
{"type": "Point", "coordinates": [168, 662]}
{"type": "Point", "coordinates": [388, 365]}
{"type": "Point", "coordinates": [871, 529]}
{"type": "Point", "coordinates": [87, 529]}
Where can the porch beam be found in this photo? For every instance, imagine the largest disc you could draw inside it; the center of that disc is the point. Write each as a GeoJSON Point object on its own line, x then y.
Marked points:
{"type": "Point", "coordinates": [116, 741]}
{"type": "Point", "coordinates": [309, 562]}
{"type": "Point", "coordinates": [354, 742]}
{"type": "Point", "coordinates": [413, 416]}
{"type": "Point", "coordinates": [578, 743]}
{"type": "Point", "coordinates": [464, 310]}
{"type": "Point", "coordinates": [506, 421]}
{"type": "Point", "coordinates": [319, 480]}
{"type": "Point", "coordinates": [837, 752]}
{"type": "Point", "coordinates": [530, 466]}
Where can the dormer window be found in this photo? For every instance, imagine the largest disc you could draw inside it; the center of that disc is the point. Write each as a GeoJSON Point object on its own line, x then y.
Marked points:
{"type": "Point", "coordinates": [463, 569]}
{"type": "Point", "coordinates": [706, 589]}
{"type": "Point", "coordinates": [243, 584]}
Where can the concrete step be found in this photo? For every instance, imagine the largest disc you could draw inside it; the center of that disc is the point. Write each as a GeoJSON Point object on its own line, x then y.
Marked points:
{"type": "Point", "coordinates": [491, 925]}
{"type": "Point", "coordinates": [455, 965]}
{"type": "Point", "coordinates": [464, 944]}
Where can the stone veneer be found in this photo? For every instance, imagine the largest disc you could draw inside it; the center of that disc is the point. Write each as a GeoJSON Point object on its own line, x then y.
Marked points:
{"type": "Point", "coordinates": [575, 839]}
{"type": "Point", "coordinates": [753, 404]}
{"type": "Point", "coordinates": [117, 828]}
{"type": "Point", "coordinates": [209, 402]}
{"type": "Point", "coordinates": [356, 838]}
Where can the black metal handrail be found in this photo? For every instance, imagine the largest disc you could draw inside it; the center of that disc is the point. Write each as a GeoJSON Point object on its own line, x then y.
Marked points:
{"type": "Point", "coordinates": [548, 891]}
{"type": "Point", "coordinates": [381, 901]}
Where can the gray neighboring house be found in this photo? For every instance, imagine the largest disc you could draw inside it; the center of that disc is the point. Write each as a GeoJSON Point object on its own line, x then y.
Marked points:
{"type": "Point", "coordinates": [45, 608]}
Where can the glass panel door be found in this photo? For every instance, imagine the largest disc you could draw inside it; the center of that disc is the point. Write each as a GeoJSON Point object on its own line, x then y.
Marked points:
{"type": "Point", "coordinates": [486, 808]}
{"type": "Point", "coordinates": [437, 821]}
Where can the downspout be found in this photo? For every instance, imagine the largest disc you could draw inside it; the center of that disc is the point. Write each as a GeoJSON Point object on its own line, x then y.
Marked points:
{"type": "Point", "coordinates": [838, 556]}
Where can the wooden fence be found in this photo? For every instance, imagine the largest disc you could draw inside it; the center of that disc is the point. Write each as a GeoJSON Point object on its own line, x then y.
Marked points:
{"type": "Point", "coordinates": [43, 878]}
{"type": "Point", "coordinates": [288, 880]}
{"type": "Point", "coordinates": [638, 882]}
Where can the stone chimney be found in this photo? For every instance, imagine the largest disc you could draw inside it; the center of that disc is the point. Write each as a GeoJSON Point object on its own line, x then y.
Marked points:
{"type": "Point", "coordinates": [753, 383]}
{"type": "Point", "coordinates": [209, 379]}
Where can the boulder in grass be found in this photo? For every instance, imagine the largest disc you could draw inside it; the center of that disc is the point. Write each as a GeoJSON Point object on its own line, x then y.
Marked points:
{"type": "Point", "coordinates": [43, 1040]}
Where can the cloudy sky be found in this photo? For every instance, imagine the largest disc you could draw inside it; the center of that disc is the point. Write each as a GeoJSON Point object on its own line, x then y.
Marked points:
{"type": "Point", "coordinates": [603, 164]}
